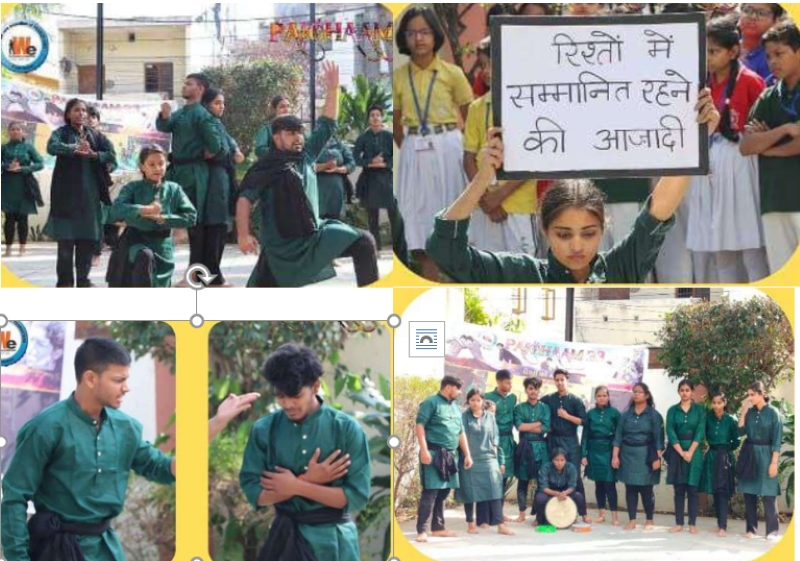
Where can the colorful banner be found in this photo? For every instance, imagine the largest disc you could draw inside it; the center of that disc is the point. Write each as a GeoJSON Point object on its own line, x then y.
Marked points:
{"type": "Point", "coordinates": [129, 125]}
{"type": "Point", "coordinates": [475, 353]}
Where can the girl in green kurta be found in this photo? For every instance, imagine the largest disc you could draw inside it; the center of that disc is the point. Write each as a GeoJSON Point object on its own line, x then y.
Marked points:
{"type": "Point", "coordinates": [19, 197]}
{"type": "Point", "coordinates": [558, 479]}
{"type": "Point", "coordinates": [719, 464]}
{"type": "Point", "coordinates": [79, 188]}
{"type": "Point", "coordinates": [762, 424]}
{"type": "Point", "coordinates": [638, 446]}
{"type": "Point", "coordinates": [440, 434]}
{"type": "Point", "coordinates": [373, 152]}
{"type": "Point", "coordinates": [151, 208]}
{"type": "Point", "coordinates": [280, 106]}
{"type": "Point", "coordinates": [573, 220]}
{"type": "Point", "coordinates": [280, 468]}
{"type": "Point", "coordinates": [333, 166]}
{"type": "Point", "coordinates": [532, 420]}
{"type": "Point", "coordinates": [482, 485]}
{"type": "Point", "coordinates": [596, 450]}
{"type": "Point", "coordinates": [222, 188]}
{"type": "Point", "coordinates": [686, 432]}
{"type": "Point", "coordinates": [74, 460]}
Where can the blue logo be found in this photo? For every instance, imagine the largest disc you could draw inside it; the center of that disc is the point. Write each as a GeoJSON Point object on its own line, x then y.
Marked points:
{"type": "Point", "coordinates": [13, 343]}
{"type": "Point", "coordinates": [25, 46]}
{"type": "Point", "coordinates": [426, 339]}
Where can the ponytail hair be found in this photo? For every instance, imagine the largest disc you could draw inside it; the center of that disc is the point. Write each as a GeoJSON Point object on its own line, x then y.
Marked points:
{"type": "Point", "coordinates": [724, 31]}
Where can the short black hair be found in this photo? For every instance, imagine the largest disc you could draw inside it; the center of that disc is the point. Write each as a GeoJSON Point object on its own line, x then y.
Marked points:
{"type": "Point", "coordinates": [201, 79]}
{"type": "Point", "coordinates": [291, 368]}
{"type": "Point", "coordinates": [784, 33]}
{"type": "Point", "coordinates": [430, 18]}
{"type": "Point", "coordinates": [93, 112]}
{"type": "Point", "coordinates": [97, 354]}
{"type": "Point", "coordinates": [288, 123]}
{"type": "Point", "coordinates": [502, 375]}
{"type": "Point", "coordinates": [450, 381]}
{"type": "Point", "coordinates": [535, 382]}
{"type": "Point", "coordinates": [562, 372]}
{"type": "Point", "coordinates": [376, 107]}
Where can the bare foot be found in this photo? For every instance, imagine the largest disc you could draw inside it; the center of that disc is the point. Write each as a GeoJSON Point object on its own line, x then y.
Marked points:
{"type": "Point", "coordinates": [484, 526]}
{"type": "Point", "coordinates": [508, 519]}
{"type": "Point", "coordinates": [721, 533]}
{"type": "Point", "coordinates": [444, 534]}
{"type": "Point", "coordinates": [630, 526]}
{"type": "Point", "coordinates": [7, 252]}
{"type": "Point", "coordinates": [614, 520]}
{"type": "Point", "coordinates": [520, 519]}
{"type": "Point", "coordinates": [587, 520]}
{"type": "Point", "coordinates": [601, 519]}
{"type": "Point", "coordinates": [648, 526]}
{"type": "Point", "coordinates": [22, 250]}
{"type": "Point", "coordinates": [422, 538]}
{"type": "Point", "coordinates": [472, 528]}
{"type": "Point", "coordinates": [504, 530]}
{"type": "Point", "coordinates": [750, 536]}
{"type": "Point", "coordinates": [693, 530]}
{"type": "Point", "coordinates": [676, 530]}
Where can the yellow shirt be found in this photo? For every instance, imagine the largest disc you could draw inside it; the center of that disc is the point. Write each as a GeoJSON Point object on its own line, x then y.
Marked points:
{"type": "Point", "coordinates": [450, 91]}
{"type": "Point", "coordinates": [479, 119]}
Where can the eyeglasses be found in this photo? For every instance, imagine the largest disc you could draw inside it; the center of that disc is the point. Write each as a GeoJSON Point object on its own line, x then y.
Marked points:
{"type": "Point", "coordinates": [755, 13]}
{"type": "Point", "coordinates": [422, 33]}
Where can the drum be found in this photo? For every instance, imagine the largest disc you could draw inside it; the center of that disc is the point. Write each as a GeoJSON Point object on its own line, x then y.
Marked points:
{"type": "Point", "coordinates": [561, 514]}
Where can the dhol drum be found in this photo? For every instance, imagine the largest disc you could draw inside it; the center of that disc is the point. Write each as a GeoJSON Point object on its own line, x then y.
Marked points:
{"type": "Point", "coordinates": [561, 514]}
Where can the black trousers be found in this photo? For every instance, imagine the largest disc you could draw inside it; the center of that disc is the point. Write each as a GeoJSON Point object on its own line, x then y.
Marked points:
{"type": "Point", "coordinates": [142, 270]}
{"type": "Point", "coordinates": [606, 490]}
{"type": "Point", "coordinates": [365, 259]}
{"type": "Point", "coordinates": [374, 224]}
{"type": "Point", "coordinates": [111, 237]}
{"type": "Point", "coordinates": [770, 513]}
{"type": "Point", "coordinates": [432, 501]}
{"type": "Point", "coordinates": [632, 493]}
{"type": "Point", "coordinates": [680, 502]}
{"type": "Point", "coordinates": [74, 260]}
{"type": "Point", "coordinates": [206, 246]}
{"type": "Point", "coordinates": [488, 512]}
{"type": "Point", "coordinates": [15, 222]}
{"type": "Point", "coordinates": [721, 502]}
{"type": "Point", "coordinates": [522, 496]}
{"type": "Point", "coordinates": [541, 500]}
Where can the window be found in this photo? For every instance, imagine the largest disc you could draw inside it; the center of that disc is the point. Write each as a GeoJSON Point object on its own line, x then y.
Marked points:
{"type": "Point", "coordinates": [614, 294]}
{"type": "Point", "coordinates": [519, 301]}
{"type": "Point", "coordinates": [87, 79]}
{"type": "Point", "coordinates": [700, 293]}
{"type": "Point", "coordinates": [158, 78]}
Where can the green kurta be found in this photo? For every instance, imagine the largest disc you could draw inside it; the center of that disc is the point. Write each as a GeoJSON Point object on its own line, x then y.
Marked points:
{"type": "Point", "coordinates": [194, 133]}
{"type": "Point", "coordinates": [624, 189]}
{"type": "Point", "coordinates": [633, 428]}
{"type": "Point", "coordinates": [277, 441]}
{"type": "Point", "coordinates": [332, 192]}
{"type": "Point", "coordinates": [483, 481]}
{"type": "Point", "coordinates": [597, 443]}
{"type": "Point", "coordinates": [505, 423]}
{"type": "Point", "coordinates": [301, 261]}
{"type": "Point", "coordinates": [380, 190]}
{"type": "Point", "coordinates": [685, 428]}
{"type": "Point", "coordinates": [551, 478]}
{"type": "Point", "coordinates": [563, 433]}
{"type": "Point", "coordinates": [14, 196]}
{"type": "Point", "coordinates": [527, 413]}
{"type": "Point", "coordinates": [178, 211]}
{"type": "Point", "coordinates": [89, 228]}
{"type": "Point", "coordinates": [767, 425]}
{"type": "Point", "coordinates": [263, 142]}
{"type": "Point", "coordinates": [719, 432]}
{"type": "Point", "coordinates": [218, 198]}
{"type": "Point", "coordinates": [66, 465]}
{"type": "Point", "coordinates": [443, 426]}
{"type": "Point", "coordinates": [628, 263]}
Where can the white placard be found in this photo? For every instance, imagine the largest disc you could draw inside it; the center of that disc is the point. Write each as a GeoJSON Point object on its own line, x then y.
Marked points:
{"type": "Point", "coordinates": [600, 97]}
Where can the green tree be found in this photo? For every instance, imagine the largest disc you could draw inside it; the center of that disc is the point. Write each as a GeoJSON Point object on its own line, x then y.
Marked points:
{"type": "Point", "coordinates": [249, 88]}
{"type": "Point", "coordinates": [354, 110]}
{"type": "Point", "coordinates": [727, 345]}
{"type": "Point", "coordinates": [34, 11]}
{"type": "Point", "coordinates": [475, 313]}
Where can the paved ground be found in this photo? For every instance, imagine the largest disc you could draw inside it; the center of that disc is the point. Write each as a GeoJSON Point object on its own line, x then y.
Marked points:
{"type": "Point", "coordinates": [604, 543]}
{"type": "Point", "coordinates": [38, 266]}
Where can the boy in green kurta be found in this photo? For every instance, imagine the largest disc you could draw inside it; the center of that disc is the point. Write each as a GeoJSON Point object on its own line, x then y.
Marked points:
{"type": "Point", "coordinates": [719, 465]}
{"type": "Point", "coordinates": [567, 413]}
{"type": "Point", "coordinates": [762, 424]}
{"type": "Point", "coordinates": [314, 506]}
{"type": "Point", "coordinates": [296, 247]}
{"type": "Point", "coordinates": [150, 208]}
{"type": "Point", "coordinates": [79, 189]}
{"type": "Point", "coordinates": [505, 402]}
{"type": "Point", "coordinates": [686, 431]}
{"type": "Point", "coordinates": [196, 139]}
{"type": "Point", "coordinates": [532, 421]}
{"type": "Point", "coordinates": [596, 449]}
{"type": "Point", "coordinates": [440, 433]}
{"type": "Point", "coordinates": [20, 198]}
{"type": "Point", "coordinates": [333, 166]}
{"type": "Point", "coordinates": [74, 459]}
{"type": "Point", "coordinates": [373, 152]}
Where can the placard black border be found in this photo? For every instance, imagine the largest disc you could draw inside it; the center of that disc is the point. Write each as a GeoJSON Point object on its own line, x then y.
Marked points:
{"type": "Point", "coordinates": [496, 28]}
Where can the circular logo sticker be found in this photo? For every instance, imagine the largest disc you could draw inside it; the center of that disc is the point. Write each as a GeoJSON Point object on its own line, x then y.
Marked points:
{"type": "Point", "coordinates": [13, 343]}
{"type": "Point", "coordinates": [25, 46]}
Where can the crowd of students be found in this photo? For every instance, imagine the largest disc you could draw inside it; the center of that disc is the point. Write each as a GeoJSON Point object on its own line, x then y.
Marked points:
{"type": "Point", "coordinates": [301, 182]}
{"type": "Point", "coordinates": [476, 453]}
{"type": "Point", "coordinates": [740, 223]}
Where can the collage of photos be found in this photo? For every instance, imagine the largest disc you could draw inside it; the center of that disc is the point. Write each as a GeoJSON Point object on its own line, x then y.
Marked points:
{"type": "Point", "coordinates": [571, 310]}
